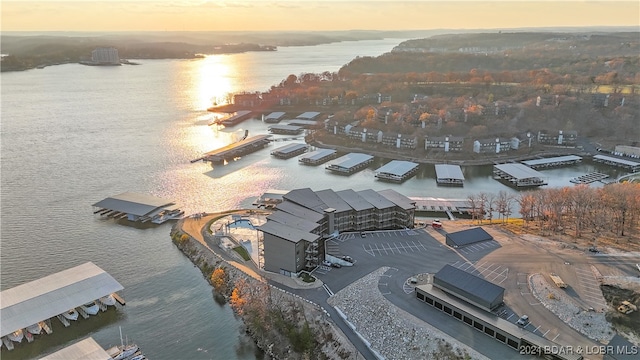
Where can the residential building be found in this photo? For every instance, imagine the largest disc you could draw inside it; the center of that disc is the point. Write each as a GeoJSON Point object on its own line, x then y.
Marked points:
{"type": "Point", "coordinates": [446, 143]}
{"type": "Point", "coordinates": [492, 145]}
{"type": "Point", "coordinates": [562, 138]}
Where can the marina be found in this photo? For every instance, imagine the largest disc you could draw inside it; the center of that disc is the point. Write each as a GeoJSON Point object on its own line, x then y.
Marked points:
{"type": "Point", "coordinates": [589, 178]}
{"type": "Point", "coordinates": [235, 118]}
{"type": "Point", "coordinates": [27, 309]}
{"type": "Point", "coordinates": [629, 165]}
{"type": "Point", "coordinates": [350, 163]}
{"type": "Point", "coordinates": [306, 124]}
{"type": "Point", "coordinates": [317, 157]}
{"type": "Point", "coordinates": [447, 174]}
{"type": "Point", "coordinates": [518, 175]}
{"type": "Point", "coordinates": [240, 148]}
{"type": "Point", "coordinates": [309, 115]}
{"type": "Point", "coordinates": [285, 129]}
{"type": "Point", "coordinates": [138, 208]}
{"type": "Point", "coordinates": [396, 171]}
{"type": "Point", "coordinates": [289, 151]}
{"type": "Point", "coordinates": [552, 161]}
{"type": "Point", "coordinates": [431, 206]}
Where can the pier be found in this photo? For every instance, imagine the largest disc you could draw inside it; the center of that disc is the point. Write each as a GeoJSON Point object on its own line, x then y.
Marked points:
{"type": "Point", "coordinates": [138, 207]}
{"type": "Point", "coordinates": [518, 175]}
{"type": "Point", "coordinates": [317, 157]}
{"type": "Point", "coordinates": [234, 119]}
{"type": "Point", "coordinates": [306, 124]}
{"type": "Point", "coordinates": [589, 178]}
{"type": "Point", "coordinates": [237, 149]}
{"type": "Point", "coordinates": [289, 151]}
{"type": "Point", "coordinates": [439, 205]}
{"type": "Point", "coordinates": [447, 174]}
{"type": "Point", "coordinates": [273, 117]}
{"type": "Point", "coordinates": [552, 161]}
{"type": "Point", "coordinates": [350, 163]}
{"type": "Point", "coordinates": [629, 165]}
{"type": "Point", "coordinates": [396, 171]}
{"type": "Point", "coordinates": [285, 129]}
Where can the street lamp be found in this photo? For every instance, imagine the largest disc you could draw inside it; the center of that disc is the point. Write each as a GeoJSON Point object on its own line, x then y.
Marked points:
{"type": "Point", "coordinates": [529, 136]}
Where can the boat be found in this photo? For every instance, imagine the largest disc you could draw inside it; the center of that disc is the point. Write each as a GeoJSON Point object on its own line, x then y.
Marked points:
{"type": "Point", "coordinates": [71, 315]}
{"type": "Point", "coordinates": [35, 329]}
{"type": "Point", "coordinates": [138, 357]}
{"type": "Point", "coordinates": [16, 336]}
{"type": "Point", "coordinates": [90, 308]}
{"type": "Point", "coordinates": [108, 300]}
{"type": "Point", "coordinates": [126, 351]}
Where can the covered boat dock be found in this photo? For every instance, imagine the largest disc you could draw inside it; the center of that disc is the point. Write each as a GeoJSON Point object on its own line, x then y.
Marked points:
{"type": "Point", "coordinates": [289, 151]}
{"type": "Point", "coordinates": [317, 157]}
{"type": "Point", "coordinates": [632, 166]}
{"type": "Point", "coordinates": [552, 161]}
{"type": "Point", "coordinates": [350, 163]}
{"type": "Point", "coordinates": [138, 207]}
{"type": "Point", "coordinates": [309, 115]}
{"type": "Point", "coordinates": [40, 300]}
{"type": "Point", "coordinates": [234, 118]}
{"type": "Point", "coordinates": [306, 124]}
{"type": "Point", "coordinates": [237, 149]}
{"type": "Point", "coordinates": [438, 205]}
{"type": "Point", "coordinates": [87, 349]}
{"type": "Point", "coordinates": [396, 171]}
{"type": "Point", "coordinates": [447, 174]}
{"type": "Point", "coordinates": [273, 117]}
{"type": "Point", "coordinates": [285, 129]}
{"type": "Point", "coordinates": [518, 175]}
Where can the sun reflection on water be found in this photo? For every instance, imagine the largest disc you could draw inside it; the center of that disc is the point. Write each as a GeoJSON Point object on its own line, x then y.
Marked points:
{"type": "Point", "coordinates": [214, 81]}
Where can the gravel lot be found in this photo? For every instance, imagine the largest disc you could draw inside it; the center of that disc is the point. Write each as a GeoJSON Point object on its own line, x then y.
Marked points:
{"type": "Point", "coordinates": [392, 332]}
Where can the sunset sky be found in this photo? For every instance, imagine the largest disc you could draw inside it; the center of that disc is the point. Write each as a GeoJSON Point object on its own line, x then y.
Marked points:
{"type": "Point", "coordinates": [249, 15]}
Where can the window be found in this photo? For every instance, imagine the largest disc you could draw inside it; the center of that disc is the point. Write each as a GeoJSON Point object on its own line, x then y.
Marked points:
{"type": "Point", "coordinates": [438, 305]}
{"type": "Point", "coordinates": [468, 320]}
{"type": "Point", "coordinates": [512, 343]}
{"type": "Point", "coordinates": [478, 325]}
{"type": "Point", "coordinates": [501, 337]}
{"type": "Point", "coordinates": [420, 296]}
{"type": "Point", "coordinates": [457, 315]}
{"type": "Point", "coordinates": [489, 331]}
{"type": "Point", "coordinates": [448, 310]}
{"type": "Point", "coordinates": [430, 301]}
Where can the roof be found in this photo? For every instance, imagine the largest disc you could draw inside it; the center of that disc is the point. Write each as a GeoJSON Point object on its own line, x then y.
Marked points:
{"type": "Point", "coordinates": [52, 295]}
{"type": "Point", "coordinates": [287, 232]}
{"type": "Point", "coordinates": [239, 144]}
{"type": "Point", "coordinates": [551, 160]}
{"type": "Point", "coordinates": [397, 167]}
{"type": "Point", "coordinates": [350, 160]}
{"type": "Point", "coordinates": [318, 154]}
{"type": "Point", "coordinates": [375, 199]}
{"type": "Point", "coordinates": [332, 200]}
{"type": "Point", "coordinates": [285, 127]}
{"type": "Point", "coordinates": [307, 198]}
{"type": "Point", "coordinates": [299, 211]}
{"type": "Point", "coordinates": [469, 236]}
{"type": "Point", "coordinates": [133, 203]}
{"type": "Point", "coordinates": [290, 148]}
{"type": "Point", "coordinates": [519, 171]}
{"type": "Point", "coordinates": [456, 279]}
{"type": "Point", "coordinates": [87, 349]}
{"type": "Point", "coordinates": [447, 171]}
{"type": "Point", "coordinates": [303, 122]}
{"type": "Point", "coordinates": [293, 221]}
{"type": "Point", "coordinates": [354, 200]}
{"type": "Point", "coordinates": [444, 138]}
{"type": "Point", "coordinates": [616, 160]}
{"type": "Point", "coordinates": [308, 115]}
{"type": "Point", "coordinates": [398, 199]}
{"type": "Point", "coordinates": [275, 115]}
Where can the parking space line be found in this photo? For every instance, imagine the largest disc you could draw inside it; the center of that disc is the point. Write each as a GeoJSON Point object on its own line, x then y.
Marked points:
{"type": "Point", "coordinates": [537, 328]}
{"type": "Point", "coordinates": [554, 339]}
{"type": "Point", "coordinates": [545, 333]}
{"type": "Point", "coordinates": [509, 317]}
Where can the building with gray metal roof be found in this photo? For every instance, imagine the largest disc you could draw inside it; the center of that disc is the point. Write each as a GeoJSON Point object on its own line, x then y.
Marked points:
{"type": "Point", "coordinates": [300, 211]}
{"type": "Point", "coordinates": [290, 150]}
{"type": "Point", "coordinates": [87, 349]}
{"type": "Point", "coordinates": [610, 160]}
{"type": "Point", "coordinates": [317, 157]}
{"type": "Point", "coordinates": [552, 161]}
{"type": "Point", "coordinates": [333, 200]}
{"type": "Point", "coordinates": [294, 221]}
{"type": "Point", "coordinates": [374, 198]}
{"type": "Point", "coordinates": [354, 200]}
{"type": "Point", "coordinates": [398, 199]}
{"type": "Point", "coordinates": [468, 287]}
{"type": "Point", "coordinates": [286, 232]}
{"type": "Point", "coordinates": [350, 163]}
{"type": "Point", "coordinates": [518, 175]}
{"type": "Point", "coordinates": [307, 198]}
{"type": "Point", "coordinates": [396, 170]}
{"type": "Point", "coordinates": [52, 295]}
{"type": "Point", "coordinates": [447, 174]}
{"type": "Point", "coordinates": [467, 237]}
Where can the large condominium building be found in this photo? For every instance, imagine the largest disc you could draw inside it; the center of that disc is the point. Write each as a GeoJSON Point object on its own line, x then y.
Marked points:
{"type": "Point", "coordinates": [294, 234]}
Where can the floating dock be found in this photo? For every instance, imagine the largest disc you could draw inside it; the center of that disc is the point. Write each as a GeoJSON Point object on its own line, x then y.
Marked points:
{"type": "Point", "coordinates": [235, 118]}
{"type": "Point", "coordinates": [396, 171]}
{"type": "Point", "coordinates": [317, 157]}
{"type": "Point", "coordinates": [285, 129]}
{"type": "Point", "coordinates": [518, 175]}
{"type": "Point", "coordinates": [289, 151]}
{"type": "Point", "coordinates": [306, 124]}
{"type": "Point", "coordinates": [138, 207]}
{"type": "Point", "coordinates": [632, 166]}
{"type": "Point", "coordinates": [447, 174]}
{"type": "Point", "coordinates": [552, 161]}
{"type": "Point", "coordinates": [237, 149]}
{"type": "Point", "coordinates": [273, 117]}
{"type": "Point", "coordinates": [350, 163]}
{"type": "Point", "coordinates": [589, 178]}
{"type": "Point", "coordinates": [439, 205]}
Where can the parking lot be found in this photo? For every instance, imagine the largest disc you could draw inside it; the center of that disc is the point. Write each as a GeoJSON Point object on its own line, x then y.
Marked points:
{"type": "Point", "coordinates": [491, 272]}
{"type": "Point", "coordinates": [479, 247]}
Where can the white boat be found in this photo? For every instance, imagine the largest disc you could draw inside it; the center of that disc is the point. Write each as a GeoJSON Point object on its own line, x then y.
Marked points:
{"type": "Point", "coordinates": [138, 357]}
{"type": "Point", "coordinates": [71, 315]}
{"type": "Point", "coordinates": [108, 300]}
{"type": "Point", "coordinates": [90, 308]}
{"type": "Point", "coordinates": [126, 351]}
{"type": "Point", "coordinates": [16, 336]}
{"type": "Point", "coordinates": [35, 329]}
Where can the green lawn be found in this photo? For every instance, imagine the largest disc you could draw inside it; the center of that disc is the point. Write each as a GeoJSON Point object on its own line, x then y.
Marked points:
{"type": "Point", "coordinates": [243, 252]}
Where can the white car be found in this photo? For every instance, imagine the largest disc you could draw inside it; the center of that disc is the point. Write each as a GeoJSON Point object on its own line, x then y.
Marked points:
{"type": "Point", "coordinates": [326, 263]}
{"type": "Point", "coordinates": [523, 321]}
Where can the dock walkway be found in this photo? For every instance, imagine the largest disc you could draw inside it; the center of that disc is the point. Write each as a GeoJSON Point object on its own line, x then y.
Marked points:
{"type": "Point", "coordinates": [589, 178]}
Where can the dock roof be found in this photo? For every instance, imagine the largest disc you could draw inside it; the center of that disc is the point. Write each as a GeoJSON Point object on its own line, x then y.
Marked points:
{"type": "Point", "coordinates": [41, 299]}
{"type": "Point", "coordinates": [397, 167]}
{"type": "Point", "coordinates": [351, 160]}
{"type": "Point", "coordinates": [87, 349]}
{"type": "Point", "coordinates": [447, 171]}
{"type": "Point", "coordinates": [301, 122]}
{"type": "Point", "coordinates": [357, 202]}
{"type": "Point", "coordinates": [309, 115]}
{"type": "Point", "coordinates": [275, 115]}
{"type": "Point", "coordinates": [287, 232]}
{"type": "Point", "coordinates": [616, 160]}
{"type": "Point", "coordinates": [519, 171]}
{"type": "Point", "coordinates": [551, 160]}
{"type": "Point", "coordinates": [239, 144]}
{"type": "Point", "coordinates": [133, 203]}
{"type": "Point", "coordinates": [398, 199]}
{"type": "Point", "coordinates": [290, 148]}
{"type": "Point", "coordinates": [285, 127]}
{"type": "Point", "coordinates": [318, 154]}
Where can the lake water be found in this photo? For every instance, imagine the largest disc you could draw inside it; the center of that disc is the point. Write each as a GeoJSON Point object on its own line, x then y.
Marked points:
{"type": "Point", "coordinates": [73, 135]}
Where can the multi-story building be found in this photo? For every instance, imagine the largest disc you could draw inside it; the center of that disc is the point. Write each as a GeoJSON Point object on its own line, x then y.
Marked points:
{"type": "Point", "coordinates": [294, 234]}
{"type": "Point", "coordinates": [562, 138]}
{"type": "Point", "coordinates": [446, 143]}
{"type": "Point", "coordinates": [492, 145]}
{"type": "Point", "coordinates": [396, 140]}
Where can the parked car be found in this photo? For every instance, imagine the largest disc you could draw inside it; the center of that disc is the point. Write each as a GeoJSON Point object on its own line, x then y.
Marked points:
{"type": "Point", "coordinates": [347, 258]}
{"type": "Point", "coordinates": [326, 263]}
{"type": "Point", "coordinates": [363, 234]}
{"type": "Point", "coordinates": [523, 321]}
{"type": "Point", "coordinates": [594, 249]}
{"type": "Point", "coordinates": [336, 265]}
{"type": "Point", "coordinates": [436, 224]}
